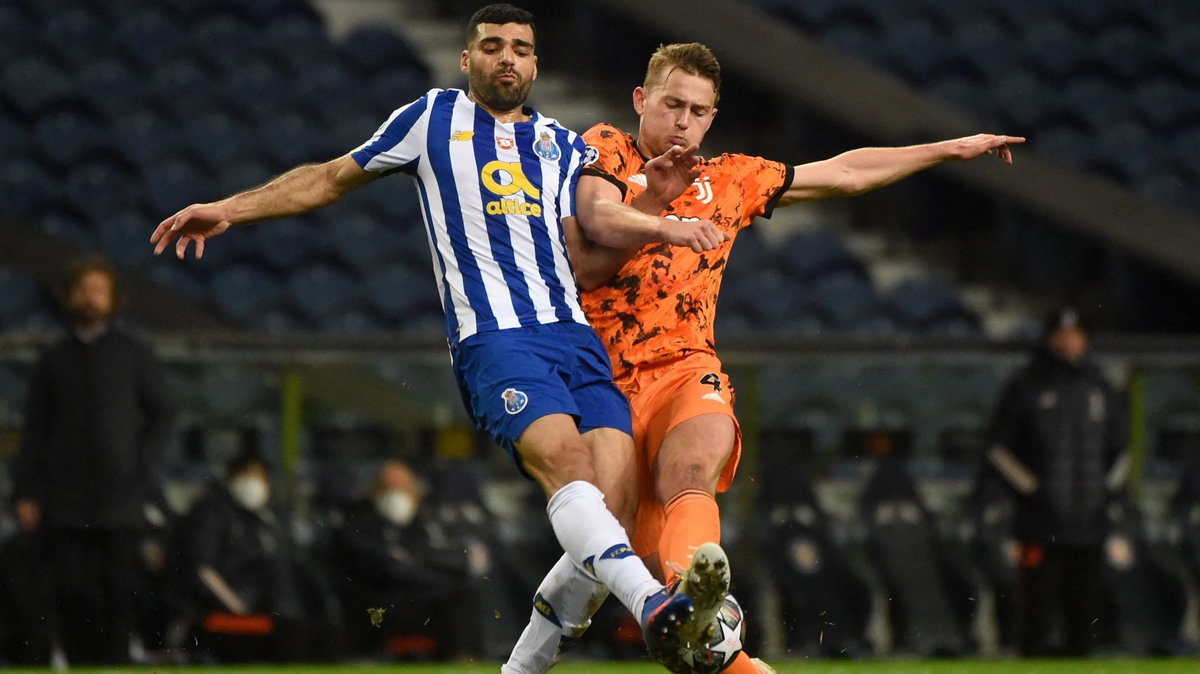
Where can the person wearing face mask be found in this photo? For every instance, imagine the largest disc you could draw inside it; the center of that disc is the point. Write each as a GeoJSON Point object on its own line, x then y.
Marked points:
{"type": "Point", "coordinates": [390, 556]}
{"type": "Point", "coordinates": [1058, 438]}
{"type": "Point", "coordinates": [97, 417]}
{"type": "Point", "coordinates": [231, 549]}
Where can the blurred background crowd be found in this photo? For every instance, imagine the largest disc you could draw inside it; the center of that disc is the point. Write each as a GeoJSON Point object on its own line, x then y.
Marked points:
{"type": "Point", "coordinates": [262, 457]}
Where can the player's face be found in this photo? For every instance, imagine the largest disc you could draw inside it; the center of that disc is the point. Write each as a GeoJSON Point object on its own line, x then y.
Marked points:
{"type": "Point", "coordinates": [1068, 343]}
{"type": "Point", "coordinates": [90, 301]}
{"type": "Point", "coordinates": [677, 112]}
{"type": "Point", "coordinates": [500, 65]}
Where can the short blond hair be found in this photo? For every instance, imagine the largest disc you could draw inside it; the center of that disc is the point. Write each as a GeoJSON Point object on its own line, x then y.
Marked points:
{"type": "Point", "coordinates": [690, 57]}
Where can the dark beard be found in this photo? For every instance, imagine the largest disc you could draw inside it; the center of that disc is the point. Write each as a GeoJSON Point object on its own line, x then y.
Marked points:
{"type": "Point", "coordinates": [492, 95]}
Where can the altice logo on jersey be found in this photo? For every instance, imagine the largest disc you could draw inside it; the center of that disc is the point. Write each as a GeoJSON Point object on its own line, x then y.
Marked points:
{"type": "Point", "coordinates": [506, 179]}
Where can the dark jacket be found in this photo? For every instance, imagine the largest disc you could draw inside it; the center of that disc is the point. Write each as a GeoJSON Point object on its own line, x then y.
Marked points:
{"type": "Point", "coordinates": [242, 546]}
{"type": "Point", "coordinates": [380, 559]}
{"type": "Point", "coordinates": [96, 420]}
{"type": "Point", "coordinates": [1068, 425]}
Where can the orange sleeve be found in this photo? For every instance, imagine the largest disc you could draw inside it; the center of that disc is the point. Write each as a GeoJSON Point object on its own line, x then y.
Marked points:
{"type": "Point", "coordinates": [609, 154]}
{"type": "Point", "coordinates": [762, 183]}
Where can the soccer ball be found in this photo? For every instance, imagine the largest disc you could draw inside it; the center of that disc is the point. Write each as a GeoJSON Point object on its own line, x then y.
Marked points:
{"type": "Point", "coordinates": [725, 644]}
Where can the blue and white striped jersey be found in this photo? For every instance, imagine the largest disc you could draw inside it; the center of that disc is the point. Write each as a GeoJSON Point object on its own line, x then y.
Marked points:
{"type": "Point", "coordinates": [492, 195]}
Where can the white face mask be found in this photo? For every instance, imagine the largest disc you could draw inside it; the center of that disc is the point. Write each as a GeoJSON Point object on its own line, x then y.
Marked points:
{"type": "Point", "coordinates": [250, 491]}
{"type": "Point", "coordinates": [397, 506]}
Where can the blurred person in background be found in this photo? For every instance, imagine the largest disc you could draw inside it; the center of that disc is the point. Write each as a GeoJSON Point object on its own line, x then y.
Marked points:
{"type": "Point", "coordinates": [96, 421]}
{"type": "Point", "coordinates": [1058, 438]}
{"type": "Point", "coordinates": [247, 590]}
{"type": "Point", "coordinates": [404, 581]}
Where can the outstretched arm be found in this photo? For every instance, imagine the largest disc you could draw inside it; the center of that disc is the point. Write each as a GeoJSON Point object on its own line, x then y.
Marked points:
{"type": "Point", "coordinates": [300, 190]}
{"type": "Point", "coordinates": [869, 168]}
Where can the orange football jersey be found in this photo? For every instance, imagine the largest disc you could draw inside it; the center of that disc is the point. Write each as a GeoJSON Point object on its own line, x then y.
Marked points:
{"type": "Point", "coordinates": [663, 302]}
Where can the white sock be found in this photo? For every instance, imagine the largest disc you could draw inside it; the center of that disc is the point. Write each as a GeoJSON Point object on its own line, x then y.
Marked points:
{"type": "Point", "coordinates": [594, 540]}
{"type": "Point", "coordinates": [562, 610]}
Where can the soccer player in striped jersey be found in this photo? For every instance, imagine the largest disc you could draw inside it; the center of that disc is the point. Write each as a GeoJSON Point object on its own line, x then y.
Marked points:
{"type": "Point", "coordinates": [497, 184]}
{"type": "Point", "coordinates": [654, 306]}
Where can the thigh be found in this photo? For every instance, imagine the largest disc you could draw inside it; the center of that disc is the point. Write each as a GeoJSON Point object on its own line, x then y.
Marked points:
{"type": "Point", "coordinates": [688, 412]}
{"type": "Point", "coordinates": [509, 379]}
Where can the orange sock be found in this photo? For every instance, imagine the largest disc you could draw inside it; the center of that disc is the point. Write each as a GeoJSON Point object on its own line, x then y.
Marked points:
{"type": "Point", "coordinates": [741, 665]}
{"type": "Point", "coordinates": [692, 518]}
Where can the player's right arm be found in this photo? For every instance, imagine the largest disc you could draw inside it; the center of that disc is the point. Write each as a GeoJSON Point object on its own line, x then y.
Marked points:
{"type": "Point", "coordinates": [304, 188]}
{"type": "Point", "coordinates": [607, 232]}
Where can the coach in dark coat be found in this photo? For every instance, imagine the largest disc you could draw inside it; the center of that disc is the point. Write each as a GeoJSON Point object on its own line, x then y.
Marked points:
{"type": "Point", "coordinates": [1059, 433]}
{"type": "Point", "coordinates": [96, 421]}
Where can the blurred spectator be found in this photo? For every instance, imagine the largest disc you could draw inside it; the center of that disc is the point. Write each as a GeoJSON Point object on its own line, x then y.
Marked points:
{"type": "Point", "coordinates": [241, 582]}
{"type": "Point", "coordinates": [404, 581]}
{"type": "Point", "coordinates": [1058, 432]}
{"type": "Point", "coordinates": [96, 420]}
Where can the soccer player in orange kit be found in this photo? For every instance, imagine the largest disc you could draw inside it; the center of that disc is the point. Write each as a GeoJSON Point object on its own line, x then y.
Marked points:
{"type": "Point", "coordinates": [654, 307]}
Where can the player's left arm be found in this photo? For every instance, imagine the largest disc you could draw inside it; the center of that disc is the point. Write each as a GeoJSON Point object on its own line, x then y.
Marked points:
{"type": "Point", "coordinates": [870, 168]}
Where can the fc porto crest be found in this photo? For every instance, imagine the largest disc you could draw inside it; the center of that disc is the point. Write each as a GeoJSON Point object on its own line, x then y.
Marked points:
{"type": "Point", "coordinates": [545, 147]}
{"type": "Point", "coordinates": [514, 400]}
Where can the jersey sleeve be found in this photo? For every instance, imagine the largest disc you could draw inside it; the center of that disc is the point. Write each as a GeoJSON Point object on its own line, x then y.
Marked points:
{"type": "Point", "coordinates": [399, 142]}
{"type": "Point", "coordinates": [579, 154]}
{"type": "Point", "coordinates": [763, 183]}
{"type": "Point", "coordinates": [607, 153]}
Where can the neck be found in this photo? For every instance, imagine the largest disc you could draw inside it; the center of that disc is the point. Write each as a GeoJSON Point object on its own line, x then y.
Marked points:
{"type": "Point", "coordinates": [516, 114]}
{"type": "Point", "coordinates": [92, 331]}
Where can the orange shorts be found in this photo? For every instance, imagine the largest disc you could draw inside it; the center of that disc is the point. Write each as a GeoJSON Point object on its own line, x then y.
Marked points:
{"type": "Point", "coordinates": [661, 396]}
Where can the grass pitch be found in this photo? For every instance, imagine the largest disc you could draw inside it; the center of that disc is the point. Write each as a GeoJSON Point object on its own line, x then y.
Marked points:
{"type": "Point", "coordinates": [1094, 666]}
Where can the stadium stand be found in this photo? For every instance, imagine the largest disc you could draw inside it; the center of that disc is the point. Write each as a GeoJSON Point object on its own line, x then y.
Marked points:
{"type": "Point", "coordinates": [1029, 65]}
{"type": "Point", "coordinates": [140, 123]}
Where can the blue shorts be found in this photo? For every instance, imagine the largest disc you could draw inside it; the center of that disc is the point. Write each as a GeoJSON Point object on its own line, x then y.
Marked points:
{"type": "Point", "coordinates": [511, 378]}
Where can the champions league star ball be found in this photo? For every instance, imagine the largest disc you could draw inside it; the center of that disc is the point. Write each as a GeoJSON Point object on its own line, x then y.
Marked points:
{"type": "Point", "coordinates": [725, 644]}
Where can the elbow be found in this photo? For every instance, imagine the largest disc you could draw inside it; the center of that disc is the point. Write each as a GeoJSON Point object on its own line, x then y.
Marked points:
{"type": "Point", "coordinates": [589, 279]}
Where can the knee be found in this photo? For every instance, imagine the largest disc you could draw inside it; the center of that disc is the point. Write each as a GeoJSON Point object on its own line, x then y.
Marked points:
{"type": "Point", "coordinates": [556, 465]}
{"type": "Point", "coordinates": [694, 469]}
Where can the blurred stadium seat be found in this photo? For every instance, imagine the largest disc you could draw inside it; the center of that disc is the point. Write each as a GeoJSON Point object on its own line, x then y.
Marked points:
{"type": "Point", "coordinates": [147, 138]}
{"type": "Point", "coordinates": [16, 32]}
{"type": "Point", "coordinates": [38, 80]}
{"type": "Point", "coordinates": [19, 295]}
{"type": "Point", "coordinates": [244, 292]}
{"type": "Point", "coordinates": [846, 299]}
{"type": "Point", "coordinates": [147, 34]}
{"type": "Point", "coordinates": [221, 140]}
{"type": "Point", "coordinates": [70, 135]}
{"type": "Point", "coordinates": [29, 187]}
{"type": "Point", "coordinates": [101, 187]}
{"type": "Point", "coordinates": [322, 292]}
{"type": "Point", "coordinates": [111, 86]}
{"type": "Point", "coordinates": [1041, 64]}
{"type": "Point", "coordinates": [77, 34]}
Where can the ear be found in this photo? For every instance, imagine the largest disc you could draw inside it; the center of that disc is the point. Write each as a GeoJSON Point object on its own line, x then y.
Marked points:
{"type": "Point", "coordinates": [535, 60]}
{"type": "Point", "coordinates": [464, 60]}
{"type": "Point", "coordinates": [639, 99]}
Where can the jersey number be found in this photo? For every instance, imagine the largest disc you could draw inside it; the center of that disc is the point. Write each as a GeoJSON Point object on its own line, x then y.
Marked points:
{"type": "Point", "coordinates": [713, 380]}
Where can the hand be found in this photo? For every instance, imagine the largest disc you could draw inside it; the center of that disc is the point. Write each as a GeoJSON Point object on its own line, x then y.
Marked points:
{"type": "Point", "coordinates": [198, 223]}
{"type": "Point", "coordinates": [29, 514]}
{"type": "Point", "coordinates": [671, 173]}
{"type": "Point", "coordinates": [971, 147]}
{"type": "Point", "coordinates": [699, 235]}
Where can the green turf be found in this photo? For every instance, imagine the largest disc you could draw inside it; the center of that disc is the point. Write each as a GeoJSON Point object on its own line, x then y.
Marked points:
{"type": "Point", "coordinates": [901, 666]}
